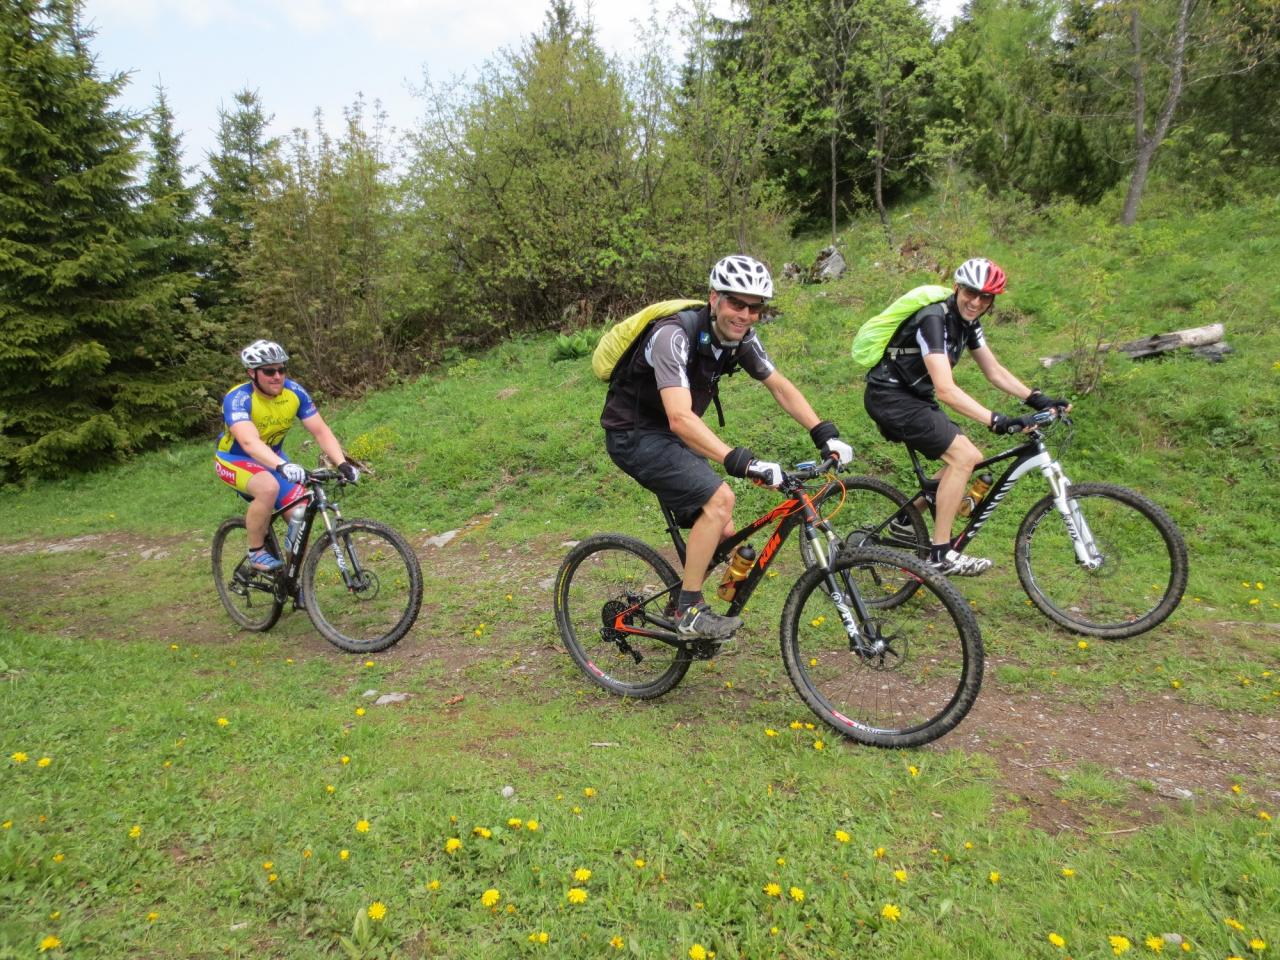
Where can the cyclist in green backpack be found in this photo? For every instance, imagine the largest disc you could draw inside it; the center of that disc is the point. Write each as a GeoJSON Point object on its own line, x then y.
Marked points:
{"type": "Point", "coordinates": [905, 388]}
{"type": "Point", "coordinates": [654, 430]}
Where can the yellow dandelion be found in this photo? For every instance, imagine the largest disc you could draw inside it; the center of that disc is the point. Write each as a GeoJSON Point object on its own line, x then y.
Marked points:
{"type": "Point", "coordinates": [1263, 815]}
{"type": "Point", "coordinates": [1068, 872]}
{"type": "Point", "coordinates": [329, 788]}
{"type": "Point", "coordinates": [796, 894]}
{"type": "Point", "coordinates": [267, 864]}
{"type": "Point", "coordinates": [362, 826]}
{"type": "Point", "coordinates": [508, 596]}
{"type": "Point", "coordinates": [452, 845]}
{"type": "Point", "coordinates": [576, 895]}
{"type": "Point", "coordinates": [515, 823]}
{"type": "Point", "coordinates": [576, 810]}
{"type": "Point", "coordinates": [582, 875]}
{"type": "Point", "coordinates": [344, 759]}
{"type": "Point", "coordinates": [223, 721]}
{"type": "Point", "coordinates": [173, 646]}
{"type": "Point", "coordinates": [891, 912]}
{"type": "Point", "coordinates": [490, 897]}
{"type": "Point", "coordinates": [617, 943]}
{"type": "Point", "coordinates": [433, 885]}
{"type": "Point", "coordinates": [878, 853]}
{"type": "Point", "coordinates": [532, 825]}
{"type": "Point", "coordinates": [539, 937]}
{"type": "Point", "coordinates": [1257, 944]}
{"type": "Point", "coordinates": [639, 863]}
{"type": "Point", "coordinates": [272, 878]}
{"type": "Point", "coordinates": [18, 757]}
{"type": "Point", "coordinates": [1118, 944]}
{"type": "Point", "coordinates": [1154, 944]}
{"type": "Point", "coordinates": [913, 770]}
{"type": "Point", "coordinates": [50, 943]}
{"type": "Point", "coordinates": [770, 732]}
{"type": "Point", "coordinates": [968, 844]}
{"type": "Point", "coordinates": [306, 854]}
{"type": "Point", "coordinates": [994, 876]}
{"type": "Point", "coordinates": [482, 832]}
{"type": "Point", "coordinates": [697, 952]}
{"type": "Point", "coordinates": [589, 791]}
{"type": "Point", "coordinates": [842, 837]}
{"type": "Point", "coordinates": [819, 745]}
{"type": "Point", "coordinates": [900, 876]}
{"type": "Point", "coordinates": [359, 711]}
{"type": "Point", "coordinates": [817, 621]}
{"type": "Point", "coordinates": [43, 762]}
{"type": "Point", "coordinates": [1233, 923]}
{"type": "Point", "coordinates": [59, 857]}
{"type": "Point", "coordinates": [772, 890]}
{"type": "Point", "coordinates": [344, 854]}
{"type": "Point", "coordinates": [781, 861]}
{"type": "Point", "coordinates": [1082, 645]}
{"type": "Point", "coordinates": [135, 832]}
{"type": "Point", "coordinates": [1057, 940]}
{"type": "Point", "coordinates": [796, 725]}
{"type": "Point", "coordinates": [152, 917]}
{"type": "Point", "coordinates": [368, 663]}
{"type": "Point", "coordinates": [377, 910]}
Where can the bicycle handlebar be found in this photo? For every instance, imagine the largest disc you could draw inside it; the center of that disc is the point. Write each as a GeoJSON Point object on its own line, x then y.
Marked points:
{"type": "Point", "coordinates": [808, 471]}
{"type": "Point", "coordinates": [325, 476]}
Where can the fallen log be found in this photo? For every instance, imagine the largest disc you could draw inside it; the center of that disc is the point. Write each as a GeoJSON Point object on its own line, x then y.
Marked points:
{"type": "Point", "coordinates": [1156, 343]}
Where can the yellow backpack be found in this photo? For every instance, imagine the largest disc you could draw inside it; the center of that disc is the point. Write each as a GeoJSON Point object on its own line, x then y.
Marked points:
{"type": "Point", "coordinates": [625, 332]}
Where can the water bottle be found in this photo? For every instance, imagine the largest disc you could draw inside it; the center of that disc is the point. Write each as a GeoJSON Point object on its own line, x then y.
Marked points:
{"type": "Point", "coordinates": [977, 490]}
{"type": "Point", "coordinates": [740, 564]}
{"type": "Point", "coordinates": [293, 535]}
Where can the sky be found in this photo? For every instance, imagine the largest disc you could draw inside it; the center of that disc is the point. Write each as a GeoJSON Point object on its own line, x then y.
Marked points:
{"type": "Point", "coordinates": [301, 55]}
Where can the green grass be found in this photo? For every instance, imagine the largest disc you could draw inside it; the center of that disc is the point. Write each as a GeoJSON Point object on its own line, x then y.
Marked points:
{"type": "Point", "coordinates": [117, 663]}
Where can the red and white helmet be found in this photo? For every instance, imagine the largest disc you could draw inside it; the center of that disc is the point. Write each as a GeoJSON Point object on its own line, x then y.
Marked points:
{"type": "Point", "coordinates": [982, 275]}
{"type": "Point", "coordinates": [738, 273]}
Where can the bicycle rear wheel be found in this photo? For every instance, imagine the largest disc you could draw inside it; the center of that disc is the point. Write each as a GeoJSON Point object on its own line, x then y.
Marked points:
{"type": "Point", "coordinates": [915, 670]}
{"type": "Point", "coordinates": [1142, 571]}
{"type": "Point", "coordinates": [600, 578]}
{"type": "Point", "coordinates": [250, 596]}
{"type": "Point", "coordinates": [382, 600]}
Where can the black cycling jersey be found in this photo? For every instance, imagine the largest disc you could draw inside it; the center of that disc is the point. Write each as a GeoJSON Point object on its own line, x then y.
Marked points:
{"type": "Point", "coordinates": [936, 328]}
{"type": "Point", "coordinates": [677, 351]}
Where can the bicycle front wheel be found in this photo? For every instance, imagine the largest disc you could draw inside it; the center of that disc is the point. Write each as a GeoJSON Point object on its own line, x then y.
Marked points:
{"type": "Point", "coordinates": [868, 504]}
{"type": "Point", "coordinates": [1136, 579]}
{"type": "Point", "coordinates": [912, 671]}
{"type": "Point", "coordinates": [600, 578]}
{"type": "Point", "coordinates": [365, 594]}
{"type": "Point", "coordinates": [250, 596]}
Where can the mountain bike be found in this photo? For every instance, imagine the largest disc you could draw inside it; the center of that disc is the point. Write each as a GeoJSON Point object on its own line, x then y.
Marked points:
{"type": "Point", "coordinates": [895, 675]}
{"type": "Point", "coordinates": [1096, 558]}
{"type": "Point", "coordinates": [360, 582]}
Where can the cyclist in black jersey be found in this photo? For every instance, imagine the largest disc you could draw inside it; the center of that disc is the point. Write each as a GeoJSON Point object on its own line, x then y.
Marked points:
{"type": "Point", "coordinates": [905, 388]}
{"type": "Point", "coordinates": [654, 430]}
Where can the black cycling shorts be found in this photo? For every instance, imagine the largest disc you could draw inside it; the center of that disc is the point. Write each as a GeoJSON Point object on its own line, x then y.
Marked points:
{"type": "Point", "coordinates": [906, 418]}
{"type": "Point", "coordinates": [662, 464]}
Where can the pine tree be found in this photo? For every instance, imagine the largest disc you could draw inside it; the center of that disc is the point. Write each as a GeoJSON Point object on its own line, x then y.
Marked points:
{"type": "Point", "coordinates": [88, 369]}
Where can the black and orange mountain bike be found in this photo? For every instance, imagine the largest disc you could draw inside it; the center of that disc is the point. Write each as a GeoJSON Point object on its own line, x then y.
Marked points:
{"type": "Point", "coordinates": [885, 675]}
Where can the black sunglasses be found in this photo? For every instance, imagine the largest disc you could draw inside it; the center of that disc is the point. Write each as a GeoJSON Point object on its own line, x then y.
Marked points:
{"type": "Point", "coordinates": [973, 292]}
{"type": "Point", "coordinates": [755, 309]}
{"type": "Point", "coordinates": [271, 371]}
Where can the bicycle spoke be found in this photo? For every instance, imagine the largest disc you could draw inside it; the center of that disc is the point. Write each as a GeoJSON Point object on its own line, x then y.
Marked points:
{"type": "Point", "coordinates": [248, 595]}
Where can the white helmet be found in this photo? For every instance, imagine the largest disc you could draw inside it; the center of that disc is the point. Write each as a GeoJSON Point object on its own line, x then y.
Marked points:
{"type": "Point", "coordinates": [982, 275]}
{"type": "Point", "coordinates": [261, 352]}
{"type": "Point", "coordinates": [738, 273]}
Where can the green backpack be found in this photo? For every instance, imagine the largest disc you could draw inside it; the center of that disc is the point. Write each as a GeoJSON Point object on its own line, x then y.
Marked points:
{"type": "Point", "coordinates": [874, 335]}
{"type": "Point", "coordinates": [624, 333]}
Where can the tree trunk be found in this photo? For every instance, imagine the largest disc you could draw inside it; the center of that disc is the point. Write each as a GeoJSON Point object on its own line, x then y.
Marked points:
{"type": "Point", "coordinates": [1147, 144]}
{"type": "Point", "coordinates": [834, 181]}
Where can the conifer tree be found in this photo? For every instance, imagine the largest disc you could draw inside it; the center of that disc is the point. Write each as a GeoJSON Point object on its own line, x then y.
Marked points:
{"type": "Point", "coordinates": [87, 363]}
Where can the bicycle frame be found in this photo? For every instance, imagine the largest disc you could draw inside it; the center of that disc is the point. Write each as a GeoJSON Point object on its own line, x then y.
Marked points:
{"type": "Point", "coordinates": [1028, 456]}
{"type": "Point", "coordinates": [798, 510]}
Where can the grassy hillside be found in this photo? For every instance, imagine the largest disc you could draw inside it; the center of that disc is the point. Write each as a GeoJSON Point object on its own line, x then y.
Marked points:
{"type": "Point", "coordinates": [205, 790]}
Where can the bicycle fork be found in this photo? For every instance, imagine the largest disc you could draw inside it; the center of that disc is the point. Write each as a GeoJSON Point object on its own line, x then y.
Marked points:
{"type": "Point", "coordinates": [1082, 539]}
{"type": "Point", "coordinates": [825, 552]}
{"type": "Point", "coordinates": [348, 564]}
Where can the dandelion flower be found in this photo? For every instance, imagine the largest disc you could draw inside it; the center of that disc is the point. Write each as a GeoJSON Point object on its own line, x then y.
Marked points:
{"type": "Point", "coordinates": [576, 895]}
{"type": "Point", "coordinates": [452, 845]}
{"type": "Point", "coordinates": [891, 912]}
{"type": "Point", "coordinates": [50, 943]}
{"type": "Point", "coordinates": [1263, 815]}
{"type": "Point", "coordinates": [1233, 923]}
{"type": "Point", "coordinates": [18, 757]}
{"type": "Point", "coordinates": [272, 878]}
{"type": "Point", "coordinates": [482, 832]}
{"type": "Point", "coordinates": [223, 721]}
{"type": "Point", "coordinates": [819, 745]}
{"type": "Point", "coordinates": [43, 762]}
{"type": "Point", "coordinates": [267, 864]}
{"type": "Point", "coordinates": [796, 725]}
{"type": "Point", "coordinates": [515, 823]}
{"type": "Point", "coordinates": [900, 876]}
{"type": "Point", "coordinates": [1154, 944]}
{"type": "Point", "coordinates": [913, 770]}
{"type": "Point", "coordinates": [532, 825]}
{"type": "Point", "coordinates": [697, 952]}
{"type": "Point", "coordinates": [1082, 645]}
{"type": "Point", "coordinates": [1068, 872]}
{"type": "Point", "coordinates": [842, 836]}
{"type": "Point", "coordinates": [1119, 945]}
{"type": "Point", "coordinates": [1057, 940]}
{"type": "Point", "coordinates": [796, 894]}
{"type": "Point", "coordinates": [617, 943]}
{"type": "Point", "coordinates": [582, 875]}
{"type": "Point", "coordinates": [329, 788]}
{"type": "Point", "coordinates": [59, 857]}
{"type": "Point", "coordinates": [589, 792]}
{"type": "Point", "coordinates": [878, 853]}
{"type": "Point", "coordinates": [368, 663]}
{"type": "Point", "coordinates": [433, 885]}
{"type": "Point", "coordinates": [359, 711]}
{"type": "Point", "coordinates": [377, 910]}
{"type": "Point", "coordinates": [344, 759]}
{"type": "Point", "coordinates": [772, 890]}
{"type": "Point", "coordinates": [362, 826]}
{"type": "Point", "coordinates": [152, 917]}
{"type": "Point", "coordinates": [994, 876]}
{"type": "Point", "coordinates": [1257, 944]}
{"type": "Point", "coordinates": [490, 897]}
{"type": "Point", "coordinates": [639, 863]}
{"type": "Point", "coordinates": [344, 854]}
{"type": "Point", "coordinates": [540, 937]}
{"type": "Point", "coordinates": [135, 832]}
{"type": "Point", "coordinates": [770, 732]}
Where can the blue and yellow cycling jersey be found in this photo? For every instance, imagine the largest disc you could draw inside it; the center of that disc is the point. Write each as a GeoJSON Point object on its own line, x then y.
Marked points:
{"type": "Point", "coordinates": [273, 416]}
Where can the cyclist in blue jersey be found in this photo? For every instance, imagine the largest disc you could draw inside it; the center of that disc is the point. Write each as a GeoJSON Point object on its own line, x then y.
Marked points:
{"type": "Point", "coordinates": [257, 415]}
